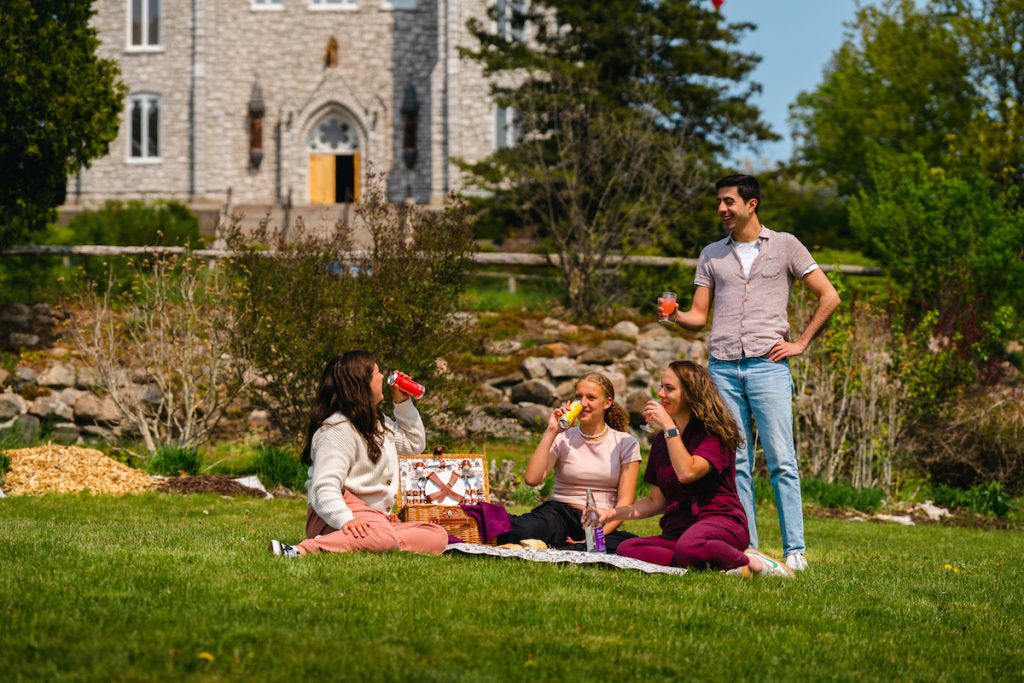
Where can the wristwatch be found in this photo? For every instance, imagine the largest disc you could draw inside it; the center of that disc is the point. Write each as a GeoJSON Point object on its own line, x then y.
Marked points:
{"type": "Point", "coordinates": [669, 433]}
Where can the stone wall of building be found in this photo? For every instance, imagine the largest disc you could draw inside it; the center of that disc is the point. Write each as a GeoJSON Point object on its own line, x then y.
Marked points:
{"type": "Point", "coordinates": [381, 50]}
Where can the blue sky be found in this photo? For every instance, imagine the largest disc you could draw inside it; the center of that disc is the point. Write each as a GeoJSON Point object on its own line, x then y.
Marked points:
{"type": "Point", "coordinates": [795, 39]}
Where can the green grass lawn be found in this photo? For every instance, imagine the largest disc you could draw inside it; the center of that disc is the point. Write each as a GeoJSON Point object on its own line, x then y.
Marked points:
{"type": "Point", "coordinates": [160, 586]}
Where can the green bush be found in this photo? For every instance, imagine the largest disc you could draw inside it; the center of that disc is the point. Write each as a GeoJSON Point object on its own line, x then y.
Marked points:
{"type": "Point", "coordinates": [841, 495]}
{"type": "Point", "coordinates": [278, 466]}
{"type": "Point", "coordinates": [171, 460]}
{"type": "Point", "coordinates": [524, 494]}
{"type": "Point", "coordinates": [398, 301]}
{"type": "Point", "coordinates": [986, 499]}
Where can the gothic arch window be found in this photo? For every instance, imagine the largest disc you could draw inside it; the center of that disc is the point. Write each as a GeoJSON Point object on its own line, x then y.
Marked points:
{"type": "Point", "coordinates": [333, 134]}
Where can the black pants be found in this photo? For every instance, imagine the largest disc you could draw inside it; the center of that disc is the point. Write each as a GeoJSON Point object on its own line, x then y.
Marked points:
{"type": "Point", "coordinates": [553, 522]}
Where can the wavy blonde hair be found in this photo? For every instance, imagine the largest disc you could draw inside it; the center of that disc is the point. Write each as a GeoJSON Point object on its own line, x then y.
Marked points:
{"type": "Point", "coordinates": [614, 416]}
{"type": "Point", "coordinates": [706, 403]}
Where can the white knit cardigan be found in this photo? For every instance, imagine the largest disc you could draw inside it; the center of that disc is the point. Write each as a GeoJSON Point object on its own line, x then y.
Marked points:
{"type": "Point", "coordinates": [341, 463]}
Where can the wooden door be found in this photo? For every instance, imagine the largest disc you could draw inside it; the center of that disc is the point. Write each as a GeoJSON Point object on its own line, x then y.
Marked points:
{"type": "Point", "coordinates": [322, 169]}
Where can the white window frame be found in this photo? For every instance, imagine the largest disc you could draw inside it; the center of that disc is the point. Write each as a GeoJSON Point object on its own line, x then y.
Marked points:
{"type": "Point", "coordinates": [146, 98]}
{"type": "Point", "coordinates": [333, 5]}
{"type": "Point", "coordinates": [145, 46]}
{"type": "Point", "coordinates": [503, 26]}
{"type": "Point", "coordinates": [267, 5]}
{"type": "Point", "coordinates": [507, 137]}
{"type": "Point", "coordinates": [397, 5]}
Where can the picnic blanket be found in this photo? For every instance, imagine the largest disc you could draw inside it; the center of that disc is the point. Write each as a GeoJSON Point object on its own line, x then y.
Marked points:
{"type": "Point", "coordinates": [563, 557]}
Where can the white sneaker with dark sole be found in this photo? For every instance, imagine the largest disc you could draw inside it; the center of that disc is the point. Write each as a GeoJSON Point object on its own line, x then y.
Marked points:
{"type": "Point", "coordinates": [796, 561]}
{"type": "Point", "coordinates": [283, 549]}
{"type": "Point", "coordinates": [771, 567]}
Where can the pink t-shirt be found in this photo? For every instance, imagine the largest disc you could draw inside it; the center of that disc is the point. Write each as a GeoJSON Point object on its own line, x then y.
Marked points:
{"type": "Point", "coordinates": [581, 464]}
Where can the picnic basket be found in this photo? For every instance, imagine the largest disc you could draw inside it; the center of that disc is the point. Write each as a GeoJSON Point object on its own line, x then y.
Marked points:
{"type": "Point", "coordinates": [432, 487]}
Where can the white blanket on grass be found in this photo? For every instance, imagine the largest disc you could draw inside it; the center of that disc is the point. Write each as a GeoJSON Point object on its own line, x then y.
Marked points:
{"type": "Point", "coordinates": [563, 557]}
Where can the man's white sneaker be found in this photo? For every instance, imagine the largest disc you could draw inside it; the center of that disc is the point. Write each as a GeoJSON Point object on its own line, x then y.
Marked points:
{"type": "Point", "coordinates": [796, 561]}
{"type": "Point", "coordinates": [283, 549]}
{"type": "Point", "coordinates": [771, 567]}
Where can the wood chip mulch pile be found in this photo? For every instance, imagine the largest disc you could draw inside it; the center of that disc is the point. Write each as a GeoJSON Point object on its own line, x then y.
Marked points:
{"type": "Point", "coordinates": [69, 469]}
{"type": "Point", "coordinates": [204, 483]}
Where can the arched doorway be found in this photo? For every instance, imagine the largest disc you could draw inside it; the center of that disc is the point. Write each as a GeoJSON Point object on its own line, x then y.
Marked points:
{"type": "Point", "coordinates": [333, 146]}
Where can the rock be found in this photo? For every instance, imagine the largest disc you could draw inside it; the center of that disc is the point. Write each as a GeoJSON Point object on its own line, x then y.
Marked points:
{"type": "Point", "coordinates": [607, 352]}
{"type": "Point", "coordinates": [26, 375]}
{"type": "Point", "coordinates": [534, 391]}
{"type": "Point", "coordinates": [641, 378]}
{"type": "Point", "coordinates": [504, 347]}
{"type": "Point", "coordinates": [654, 329]}
{"type": "Point", "coordinates": [565, 390]}
{"type": "Point", "coordinates": [147, 393]}
{"type": "Point", "coordinates": [626, 328]}
{"type": "Point", "coordinates": [11, 405]}
{"type": "Point", "coordinates": [501, 409]}
{"type": "Point", "coordinates": [65, 432]}
{"type": "Point", "coordinates": [58, 376]}
{"type": "Point", "coordinates": [85, 378]}
{"type": "Point", "coordinates": [28, 427]}
{"type": "Point", "coordinates": [97, 432]}
{"type": "Point", "coordinates": [23, 339]}
{"type": "Point", "coordinates": [533, 367]}
{"type": "Point", "coordinates": [506, 380]}
{"type": "Point", "coordinates": [258, 419]}
{"type": "Point", "coordinates": [933, 512]}
{"type": "Point", "coordinates": [51, 405]}
{"type": "Point", "coordinates": [676, 345]}
{"type": "Point", "coordinates": [139, 376]}
{"type": "Point", "coordinates": [91, 408]}
{"type": "Point", "coordinates": [489, 394]}
{"type": "Point", "coordinates": [561, 368]}
{"type": "Point", "coordinates": [557, 349]}
{"type": "Point", "coordinates": [532, 415]}
{"type": "Point", "coordinates": [69, 396]}
{"type": "Point", "coordinates": [905, 520]}
{"type": "Point", "coordinates": [3, 376]}
{"type": "Point", "coordinates": [618, 380]}
{"type": "Point", "coordinates": [42, 311]}
{"type": "Point", "coordinates": [636, 399]}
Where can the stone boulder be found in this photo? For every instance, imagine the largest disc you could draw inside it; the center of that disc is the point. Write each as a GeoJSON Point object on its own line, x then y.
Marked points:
{"type": "Point", "coordinates": [91, 408]}
{"type": "Point", "coordinates": [51, 406]}
{"type": "Point", "coordinates": [506, 380]}
{"type": "Point", "coordinates": [85, 379]}
{"type": "Point", "coordinates": [608, 352]}
{"type": "Point", "coordinates": [65, 432]}
{"type": "Point", "coordinates": [57, 376]}
{"type": "Point", "coordinates": [504, 347]}
{"type": "Point", "coordinates": [3, 376]}
{"type": "Point", "coordinates": [26, 376]}
{"type": "Point", "coordinates": [561, 367]}
{"type": "Point", "coordinates": [533, 367]}
{"type": "Point", "coordinates": [534, 391]}
{"type": "Point", "coordinates": [626, 328]}
{"type": "Point", "coordinates": [532, 415]}
{"type": "Point", "coordinates": [11, 405]}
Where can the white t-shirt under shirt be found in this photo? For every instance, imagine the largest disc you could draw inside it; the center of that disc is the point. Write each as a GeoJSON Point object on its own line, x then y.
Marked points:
{"type": "Point", "coordinates": [748, 251]}
{"type": "Point", "coordinates": [581, 464]}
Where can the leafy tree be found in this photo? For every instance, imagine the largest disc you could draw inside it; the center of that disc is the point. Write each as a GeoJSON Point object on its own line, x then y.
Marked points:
{"type": "Point", "coordinates": [621, 111]}
{"type": "Point", "coordinates": [59, 107]}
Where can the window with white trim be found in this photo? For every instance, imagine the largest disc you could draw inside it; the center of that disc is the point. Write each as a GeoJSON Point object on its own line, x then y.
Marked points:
{"type": "Point", "coordinates": [144, 25]}
{"type": "Point", "coordinates": [511, 21]}
{"type": "Point", "coordinates": [144, 118]}
{"type": "Point", "coordinates": [333, 4]}
{"type": "Point", "coordinates": [504, 127]}
{"type": "Point", "coordinates": [268, 4]}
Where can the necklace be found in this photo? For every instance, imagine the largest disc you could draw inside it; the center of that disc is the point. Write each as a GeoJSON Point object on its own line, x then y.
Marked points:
{"type": "Point", "coordinates": [598, 435]}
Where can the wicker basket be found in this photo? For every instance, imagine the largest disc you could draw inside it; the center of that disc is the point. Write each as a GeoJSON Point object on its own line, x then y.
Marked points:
{"type": "Point", "coordinates": [449, 516]}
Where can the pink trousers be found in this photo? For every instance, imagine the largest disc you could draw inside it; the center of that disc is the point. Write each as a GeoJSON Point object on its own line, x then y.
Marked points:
{"type": "Point", "coordinates": [382, 536]}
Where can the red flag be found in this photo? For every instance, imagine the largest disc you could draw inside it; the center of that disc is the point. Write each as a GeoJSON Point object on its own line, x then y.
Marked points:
{"type": "Point", "coordinates": [718, 4]}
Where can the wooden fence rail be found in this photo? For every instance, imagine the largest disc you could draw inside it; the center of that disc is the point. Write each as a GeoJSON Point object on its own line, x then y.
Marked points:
{"type": "Point", "coordinates": [482, 258]}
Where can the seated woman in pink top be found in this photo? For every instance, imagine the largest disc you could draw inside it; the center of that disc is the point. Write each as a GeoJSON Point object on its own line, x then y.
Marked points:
{"type": "Point", "coordinates": [597, 454]}
{"type": "Point", "coordinates": [692, 473]}
{"type": "Point", "coordinates": [353, 449]}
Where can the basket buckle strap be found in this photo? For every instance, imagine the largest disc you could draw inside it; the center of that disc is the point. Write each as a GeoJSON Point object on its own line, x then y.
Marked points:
{"type": "Point", "coordinates": [444, 490]}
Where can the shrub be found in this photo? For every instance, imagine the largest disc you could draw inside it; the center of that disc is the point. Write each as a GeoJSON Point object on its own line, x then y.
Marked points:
{"type": "Point", "coordinates": [169, 461]}
{"type": "Point", "coordinates": [841, 495]}
{"type": "Point", "coordinates": [278, 466]}
{"type": "Point", "coordinates": [986, 499]}
{"type": "Point", "coordinates": [398, 300]}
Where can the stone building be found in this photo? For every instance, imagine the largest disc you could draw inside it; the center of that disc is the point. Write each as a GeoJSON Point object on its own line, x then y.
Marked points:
{"type": "Point", "coordinates": [288, 104]}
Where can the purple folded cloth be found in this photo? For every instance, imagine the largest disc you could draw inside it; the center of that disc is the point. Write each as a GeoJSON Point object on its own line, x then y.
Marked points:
{"type": "Point", "coordinates": [491, 519]}
{"type": "Point", "coordinates": [454, 539]}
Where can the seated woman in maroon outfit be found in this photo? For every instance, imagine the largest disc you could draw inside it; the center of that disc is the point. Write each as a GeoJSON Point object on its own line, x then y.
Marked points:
{"type": "Point", "coordinates": [692, 473]}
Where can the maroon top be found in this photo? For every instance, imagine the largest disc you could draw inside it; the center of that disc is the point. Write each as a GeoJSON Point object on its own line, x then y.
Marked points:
{"type": "Point", "coordinates": [712, 494]}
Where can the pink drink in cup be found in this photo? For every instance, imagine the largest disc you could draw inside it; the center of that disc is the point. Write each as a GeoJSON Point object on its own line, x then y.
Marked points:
{"type": "Point", "coordinates": [666, 307]}
{"type": "Point", "coordinates": [406, 384]}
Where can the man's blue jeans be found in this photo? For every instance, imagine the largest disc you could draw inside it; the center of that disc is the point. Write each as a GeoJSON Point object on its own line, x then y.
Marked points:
{"type": "Point", "coordinates": [762, 390]}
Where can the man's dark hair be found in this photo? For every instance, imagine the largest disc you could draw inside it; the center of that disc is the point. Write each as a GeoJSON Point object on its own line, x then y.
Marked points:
{"type": "Point", "coordinates": [746, 185]}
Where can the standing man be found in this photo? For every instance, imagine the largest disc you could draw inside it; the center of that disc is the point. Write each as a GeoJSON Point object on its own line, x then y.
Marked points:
{"type": "Point", "coordinates": [749, 275]}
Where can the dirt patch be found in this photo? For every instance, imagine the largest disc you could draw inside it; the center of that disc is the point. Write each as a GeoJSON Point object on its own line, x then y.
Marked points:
{"type": "Point", "coordinates": [70, 469]}
{"type": "Point", "coordinates": [208, 483]}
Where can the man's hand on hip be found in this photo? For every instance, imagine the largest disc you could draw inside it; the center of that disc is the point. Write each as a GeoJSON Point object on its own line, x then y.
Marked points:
{"type": "Point", "coordinates": [785, 349]}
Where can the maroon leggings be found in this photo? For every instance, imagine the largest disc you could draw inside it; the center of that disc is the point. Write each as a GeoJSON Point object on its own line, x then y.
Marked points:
{"type": "Point", "coordinates": [716, 542]}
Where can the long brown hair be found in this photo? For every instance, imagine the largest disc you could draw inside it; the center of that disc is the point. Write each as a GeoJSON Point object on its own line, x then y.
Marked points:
{"type": "Point", "coordinates": [345, 388]}
{"type": "Point", "coordinates": [614, 416]}
{"type": "Point", "coordinates": [706, 403]}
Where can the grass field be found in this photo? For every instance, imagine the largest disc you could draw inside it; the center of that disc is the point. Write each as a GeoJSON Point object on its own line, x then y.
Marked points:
{"type": "Point", "coordinates": [158, 586]}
